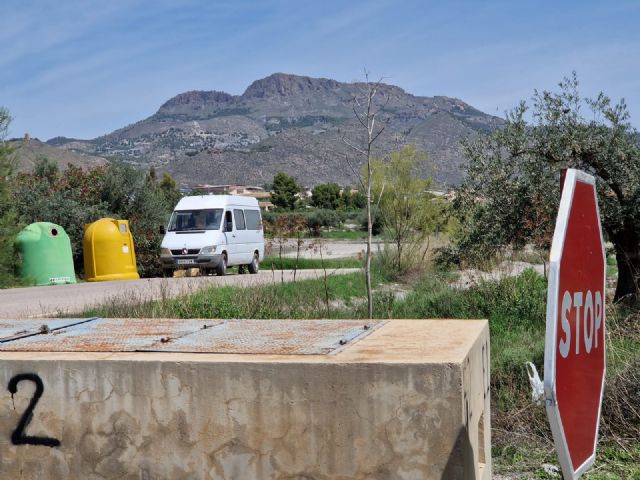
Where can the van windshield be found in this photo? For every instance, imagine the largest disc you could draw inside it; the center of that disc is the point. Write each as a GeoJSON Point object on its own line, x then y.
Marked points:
{"type": "Point", "coordinates": [185, 220]}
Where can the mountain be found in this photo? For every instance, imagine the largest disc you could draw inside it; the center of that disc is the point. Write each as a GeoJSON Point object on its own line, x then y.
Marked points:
{"type": "Point", "coordinates": [28, 150]}
{"type": "Point", "coordinates": [286, 123]}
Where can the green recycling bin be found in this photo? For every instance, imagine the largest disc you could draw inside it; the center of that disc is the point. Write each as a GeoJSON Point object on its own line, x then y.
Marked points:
{"type": "Point", "coordinates": [45, 254]}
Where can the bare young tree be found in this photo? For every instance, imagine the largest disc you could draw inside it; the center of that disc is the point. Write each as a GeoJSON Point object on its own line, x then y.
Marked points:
{"type": "Point", "coordinates": [367, 112]}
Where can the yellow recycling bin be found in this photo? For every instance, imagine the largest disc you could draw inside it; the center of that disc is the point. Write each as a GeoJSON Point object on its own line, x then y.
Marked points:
{"type": "Point", "coordinates": [108, 251]}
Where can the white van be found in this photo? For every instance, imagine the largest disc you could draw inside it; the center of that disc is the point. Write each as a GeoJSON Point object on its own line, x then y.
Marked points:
{"type": "Point", "coordinates": [213, 232]}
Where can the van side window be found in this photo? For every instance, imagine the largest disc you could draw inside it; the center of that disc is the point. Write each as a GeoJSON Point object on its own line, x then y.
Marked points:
{"type": "Point", "coordinates": [228, 220]}
{"type": "Point", "coordinates": [239, 216]}
{"type": "Point", "coordinates": [253, 219]}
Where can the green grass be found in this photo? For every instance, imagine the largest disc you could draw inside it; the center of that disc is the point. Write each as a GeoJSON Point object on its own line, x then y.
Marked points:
{"type": "Point", "coordinates": [301, 299]}
{"type": "Point", "coordinates": [613, 462]}
{"type": "Point", "coordinates": [287, 263]}
{"type": "Point", "coordinates": [515, 308]}
{"type": "Point", "coordinates": [612, 267]}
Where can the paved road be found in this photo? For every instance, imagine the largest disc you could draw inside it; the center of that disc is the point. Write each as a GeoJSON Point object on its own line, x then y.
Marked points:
{"type": "Point", "coordinates": [33, 302]}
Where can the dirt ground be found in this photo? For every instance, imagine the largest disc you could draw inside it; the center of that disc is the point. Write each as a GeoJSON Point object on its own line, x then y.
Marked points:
{"type": "Point", "coordinates": [330, 249]}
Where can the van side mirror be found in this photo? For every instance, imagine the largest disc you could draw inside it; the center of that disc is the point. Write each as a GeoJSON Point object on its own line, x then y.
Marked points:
{"type": "Point", "coordinates": [162, 230]}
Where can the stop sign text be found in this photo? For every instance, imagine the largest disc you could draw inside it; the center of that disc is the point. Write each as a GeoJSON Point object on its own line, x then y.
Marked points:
{"type": "Point", "coordinates": [581, 321]}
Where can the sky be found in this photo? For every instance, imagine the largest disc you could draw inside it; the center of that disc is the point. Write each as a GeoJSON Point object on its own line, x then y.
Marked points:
{"type": "Point", "coordinates": [83, 68]}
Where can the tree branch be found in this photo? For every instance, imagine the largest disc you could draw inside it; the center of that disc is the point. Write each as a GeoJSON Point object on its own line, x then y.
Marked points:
{"type": "Point", "coordinates": [357, 149]}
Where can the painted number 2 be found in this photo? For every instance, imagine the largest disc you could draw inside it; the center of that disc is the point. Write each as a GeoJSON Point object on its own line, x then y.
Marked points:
{"type": "Point", "coordinates": [19, 436]}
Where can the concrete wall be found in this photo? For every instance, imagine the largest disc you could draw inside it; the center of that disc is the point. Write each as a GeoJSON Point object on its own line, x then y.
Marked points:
{"type": "Point", "coordinates": [410, 401]}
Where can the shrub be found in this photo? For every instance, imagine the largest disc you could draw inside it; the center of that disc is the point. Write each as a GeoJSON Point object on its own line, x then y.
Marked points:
{"type": "Point", "coordinates": [376, 221]}
{"type": "Point", "coordinates": [385, 262]}
{"type": "Point", "coordinates": [70, 200]}
{"type": "Point", "coordinates": [77, 197]}
{"type": "Point", "coordinates": [322, 218]}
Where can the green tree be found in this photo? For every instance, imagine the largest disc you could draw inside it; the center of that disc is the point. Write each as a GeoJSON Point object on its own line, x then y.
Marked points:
{"type": "Point", "coordinates": [147, 204]}
{"type": "Point", "coordinates": [169, 190]}
{"type": "Point", "coordinates": [284, 191]}
{"type": "Point", "coordinates": [511, 192]}
{"type": "Point", "coordinates": [408, 211]}
{"type": "Point", "coordinates": [8, 220]}
{"type": "Point", "coordinates": [326, 195]}
{"type": "Point", "coordinates": [353, 200]}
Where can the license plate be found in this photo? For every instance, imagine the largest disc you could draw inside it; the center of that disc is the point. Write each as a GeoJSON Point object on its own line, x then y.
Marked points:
{"type": "Point", "coordinates": [188, 261]}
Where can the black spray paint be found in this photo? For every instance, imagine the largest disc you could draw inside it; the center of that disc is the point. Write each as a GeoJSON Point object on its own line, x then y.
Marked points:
{"type": "Point", "coordinates": [19, 436]}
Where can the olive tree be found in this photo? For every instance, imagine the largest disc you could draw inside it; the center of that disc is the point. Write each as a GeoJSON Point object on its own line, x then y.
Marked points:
{"type": "Point", "coordinates": [512, 187]}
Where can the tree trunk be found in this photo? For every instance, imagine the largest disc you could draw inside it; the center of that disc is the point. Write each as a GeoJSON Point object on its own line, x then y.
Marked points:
{"type": "Point", "coordinates": [368, 120]}
{"type": "Point", "coordinates": [627, 246]}
{"type": "Point", "coordinates": [628, 275]}
{"type": "Point", "coordinates": [367, 268]}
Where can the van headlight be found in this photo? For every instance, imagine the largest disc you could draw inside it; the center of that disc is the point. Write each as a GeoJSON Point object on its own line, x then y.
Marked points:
{"type": "Point", "coordinates": [209, 249]}
{"type": "Point", "coordinates": [165, 252]}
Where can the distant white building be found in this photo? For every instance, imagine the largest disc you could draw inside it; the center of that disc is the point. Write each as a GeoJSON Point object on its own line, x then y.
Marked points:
{"type": "Point", "coordinates": [234, 189]}
{"type": "Point", "coordinates": [243, 190]}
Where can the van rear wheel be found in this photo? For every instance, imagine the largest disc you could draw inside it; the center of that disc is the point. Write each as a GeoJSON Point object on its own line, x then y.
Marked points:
{"type": "Point", "coordinates": [254, 266]}
{"type": "Point", "coordinates": [221, 269]}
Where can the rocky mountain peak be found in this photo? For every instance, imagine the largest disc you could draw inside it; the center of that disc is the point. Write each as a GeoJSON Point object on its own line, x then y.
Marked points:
{"type": "Point", "coordinates": [284, 85]}
{"type": "Point", "coordinates": [196, 99]}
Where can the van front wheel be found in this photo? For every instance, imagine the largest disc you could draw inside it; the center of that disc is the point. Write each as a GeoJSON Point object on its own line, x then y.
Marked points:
{"type": "Point", "coordinates": [221, 269]}
{"type": "Point", "coordinates": [254, 265]}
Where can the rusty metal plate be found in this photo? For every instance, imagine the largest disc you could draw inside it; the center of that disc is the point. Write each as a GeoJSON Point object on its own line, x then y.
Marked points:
{"type": "Point", "coordinates": [108, 335]}
{"type": "Point", "coordinates": [284, 337]}
{"type": "Point", "coordinates": [13, 329]}
{"type": "Point", "coordinates": [275, 337]}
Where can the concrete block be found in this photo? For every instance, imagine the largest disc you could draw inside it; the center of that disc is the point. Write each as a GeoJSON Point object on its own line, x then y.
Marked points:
{"type": "Point", "coordinates": [408, 401]}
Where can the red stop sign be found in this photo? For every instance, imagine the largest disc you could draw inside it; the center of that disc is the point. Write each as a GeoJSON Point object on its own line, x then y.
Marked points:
{"type": "Point", "coordinates": [574, 360]}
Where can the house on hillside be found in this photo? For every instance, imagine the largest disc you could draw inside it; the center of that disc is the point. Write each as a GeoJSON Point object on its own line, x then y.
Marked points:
{"type": "Point", "coordinates": [258, 193]}
{"type": "Point", "coordinates": [234, 189]}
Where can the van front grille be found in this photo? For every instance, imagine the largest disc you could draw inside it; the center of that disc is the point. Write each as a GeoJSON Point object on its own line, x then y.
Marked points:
{"type": "Point", "coordinates": [191, 251]}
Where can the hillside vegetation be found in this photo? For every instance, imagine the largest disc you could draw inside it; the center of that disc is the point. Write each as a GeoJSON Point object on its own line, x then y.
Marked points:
{"type": "Point", "coordinates": [28, 151]}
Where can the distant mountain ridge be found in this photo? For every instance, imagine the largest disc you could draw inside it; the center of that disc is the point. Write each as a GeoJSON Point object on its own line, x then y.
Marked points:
{"type": "Point", "coordinates": [28, 151]}
{"type": "Point", "coordinates": [285, 123]}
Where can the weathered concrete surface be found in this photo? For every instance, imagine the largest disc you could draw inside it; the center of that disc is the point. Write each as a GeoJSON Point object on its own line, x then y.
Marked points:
{"type": "Point", "coordinates": [33, 302]}
{"type": "Point", "coordinates": [409, 401]}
